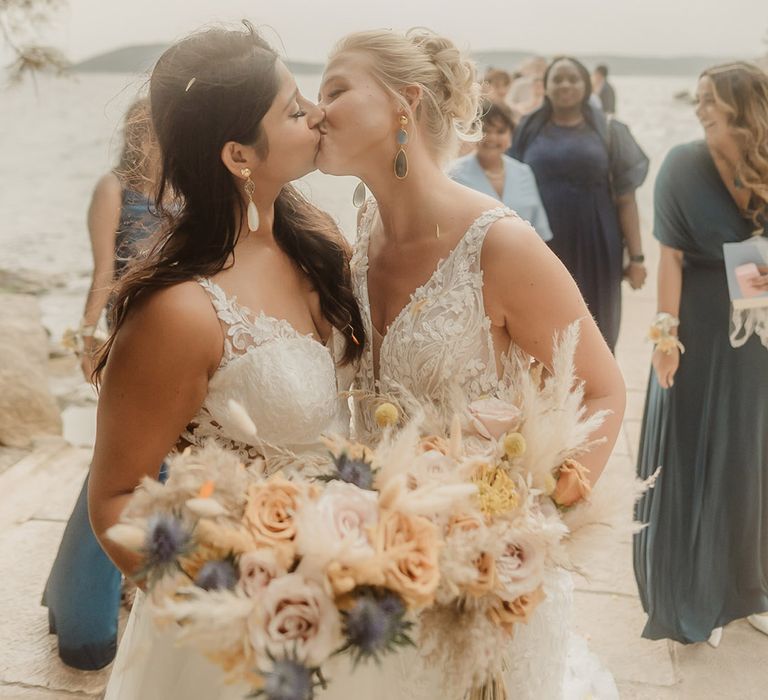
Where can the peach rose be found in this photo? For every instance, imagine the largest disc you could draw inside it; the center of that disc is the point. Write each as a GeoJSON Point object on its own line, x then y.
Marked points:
{"type": "Point", "coordinates": [491, 418]}
{"type": "Point", "coordinates": [572, 484]}
{"type": "Point", "coordinates": [506, 614]}
{"type": "Point", "coordinates": [408, 547]}
{"type": "Point", "coordinates": [434, 443]}
{"type": "Point", "coordinates": [269, 515]}
{"type": "Point", "coordinates": [485, 565]}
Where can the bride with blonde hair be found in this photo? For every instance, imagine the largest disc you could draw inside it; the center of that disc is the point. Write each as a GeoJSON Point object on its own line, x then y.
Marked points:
{"type": "Point", "coordinates": [450, 283]}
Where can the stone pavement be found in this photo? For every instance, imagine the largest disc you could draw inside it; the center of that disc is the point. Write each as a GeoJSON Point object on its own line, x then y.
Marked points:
{"type": "Point", "coordinates": [38, 493]}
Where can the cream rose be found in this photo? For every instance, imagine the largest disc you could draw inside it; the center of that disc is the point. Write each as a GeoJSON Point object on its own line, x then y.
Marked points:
{"type": "Point", "coordinates": [337, 524]}
{"type": "Point", "coordinates": [491, 418]}
{"type": "Point", "coordinates": [296, 615]}
{"type": "Point", "coordinates": [572, 483]}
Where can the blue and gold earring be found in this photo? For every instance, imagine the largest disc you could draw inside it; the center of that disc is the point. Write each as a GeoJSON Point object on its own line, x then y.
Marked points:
{"type": "Point", "coordinates": [401, 159]}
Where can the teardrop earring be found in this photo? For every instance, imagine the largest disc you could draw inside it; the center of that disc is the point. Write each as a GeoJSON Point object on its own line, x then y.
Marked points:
{"type": "Point", "coordinates": [401, 159]}
{"type": "Point", "coordinates": [358, 196]}
{"type": "Point", "coordinates": [252, 211]}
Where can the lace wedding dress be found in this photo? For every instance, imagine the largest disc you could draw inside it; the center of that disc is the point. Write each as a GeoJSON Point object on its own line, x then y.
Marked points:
{"type": "Point", "coordinates": [442, 340]}
{"type": "Point", "coordinates": [287, 383]}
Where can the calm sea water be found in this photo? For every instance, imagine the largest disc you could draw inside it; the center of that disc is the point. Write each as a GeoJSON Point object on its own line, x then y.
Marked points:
{"type": "Point", "coordinates": [58, 136]}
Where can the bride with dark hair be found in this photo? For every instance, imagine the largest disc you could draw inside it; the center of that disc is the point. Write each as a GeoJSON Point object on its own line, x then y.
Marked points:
{"type": "Point", "coordinates": [246, 297]}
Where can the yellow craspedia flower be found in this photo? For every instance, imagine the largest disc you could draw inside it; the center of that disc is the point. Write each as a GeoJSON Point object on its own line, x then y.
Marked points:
{"type": "Point", "coordinates": [549, 484]}
{"type": "Point", "coordinates": [495, 490]}
{"type": "Point", "coordinates": [386, 415]}
{"type": "Point", "coordinates": [514, 445]}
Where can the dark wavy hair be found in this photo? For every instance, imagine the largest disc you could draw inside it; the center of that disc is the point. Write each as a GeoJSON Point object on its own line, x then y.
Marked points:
{"type": "Point", "coordinates": [235, 83]}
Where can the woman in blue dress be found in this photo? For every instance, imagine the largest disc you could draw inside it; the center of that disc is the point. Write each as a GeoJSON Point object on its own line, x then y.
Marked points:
{"type": "Point", "coordinates": [702, 560]}
{"type": "Point", "coordinates": [491, 171]}
{"type": "Point", "coordinates": [83, 588]}
{"type": "Point", "coordinates": [587, 170]}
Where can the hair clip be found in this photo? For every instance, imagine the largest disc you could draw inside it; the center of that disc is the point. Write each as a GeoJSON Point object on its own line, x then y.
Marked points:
{"type": "Point", "coordinates": [352, 333]}
{"type": "Point", "coordinates": [190, 84]}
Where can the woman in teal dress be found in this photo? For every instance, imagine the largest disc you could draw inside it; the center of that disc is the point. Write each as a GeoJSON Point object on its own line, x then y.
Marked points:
{"type": "Point", "coordinates": [702, 560]}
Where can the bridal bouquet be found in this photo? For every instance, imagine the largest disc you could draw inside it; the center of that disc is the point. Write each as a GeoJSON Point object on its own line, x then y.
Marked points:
{"type": "Point", "coordinates": [270, 578]}
{"type": "Point", "coordinates": [440, 541]}
{"type": "Point", "coordinates": [534, 510]}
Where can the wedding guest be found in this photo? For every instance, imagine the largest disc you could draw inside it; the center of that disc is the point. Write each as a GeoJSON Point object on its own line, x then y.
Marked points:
{"type": "Point", "coordinates": [604, 90]}
{"type": "Point", "coordinates": [587, 170]}
{"type": "Point", "coordinates": [84, 587]}
{"type": "Point", "coordinates": [491, 171]}
{"type": "Point", "coordinates": [527, 92]}
{"type": "Point", "coordinates": [702, 560]}
{"type": "Point", "coordinates": [497, 83]}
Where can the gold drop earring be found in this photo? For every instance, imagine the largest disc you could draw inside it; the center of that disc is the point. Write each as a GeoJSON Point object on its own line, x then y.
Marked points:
{"type": "Point", "coordinates": [401, 159]}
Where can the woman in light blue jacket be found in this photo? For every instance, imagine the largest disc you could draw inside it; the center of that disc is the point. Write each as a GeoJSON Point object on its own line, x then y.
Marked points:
{"type": "Point", "coordinates": [491, 171]}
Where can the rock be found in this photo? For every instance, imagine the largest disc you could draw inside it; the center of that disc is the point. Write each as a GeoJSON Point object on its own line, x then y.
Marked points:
{"type": "Point", "coordinates": [27, 407]}
{"type": "Point", "coordinates": [29, 281]}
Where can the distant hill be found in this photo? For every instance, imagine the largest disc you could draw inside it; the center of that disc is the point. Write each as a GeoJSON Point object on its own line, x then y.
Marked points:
{"type": "Point", "coordinates": [141, 58]}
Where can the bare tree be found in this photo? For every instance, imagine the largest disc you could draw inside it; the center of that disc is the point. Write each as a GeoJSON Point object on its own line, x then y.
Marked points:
{"type": "Point", "coordinates": [20, 24]}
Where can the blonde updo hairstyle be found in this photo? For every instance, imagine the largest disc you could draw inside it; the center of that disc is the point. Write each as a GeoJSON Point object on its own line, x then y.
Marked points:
{"type": "Point", "coordinates": [449, 110]}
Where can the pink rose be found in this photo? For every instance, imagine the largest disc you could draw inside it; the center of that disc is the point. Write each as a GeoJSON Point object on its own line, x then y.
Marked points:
{"type": "Point", "coordinates": [491, 418]}
{"type": "Point", "coordinates": [257, 570]}
{"type": "Point", "coordinates": [296, 616]}
{"type": "Point", "coordinates": [520, 568]}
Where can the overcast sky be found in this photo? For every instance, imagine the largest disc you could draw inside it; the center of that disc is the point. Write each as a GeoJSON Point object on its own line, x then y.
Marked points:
{"type": "Point", "coordinates": [308, 28]}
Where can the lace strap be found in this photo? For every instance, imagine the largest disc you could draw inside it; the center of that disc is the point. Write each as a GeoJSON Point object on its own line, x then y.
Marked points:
{"type": "Point", "coordinates": [364, 231]}
{"type": "Point", "coordinates": [475, 236]}
{"type": "Point", "coordinates": [221, 303]}
{"type": "Point", "coordinates": [242, 328]}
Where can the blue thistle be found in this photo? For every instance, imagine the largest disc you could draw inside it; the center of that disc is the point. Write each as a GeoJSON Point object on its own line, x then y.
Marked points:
{"type": "Point", "coordinates": [167, 539]}
{"type": "Point", "coordinates": [375, 624]}
{"type": "Point", "coordinates": [217, 575]}
{"type": "Point", "coordinates": [353, 471]}
{"type": "Point", "coordinates": [289, 679]}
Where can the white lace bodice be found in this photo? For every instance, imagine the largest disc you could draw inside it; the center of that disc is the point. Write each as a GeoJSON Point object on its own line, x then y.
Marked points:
{"type": "Point", "coordinates": [441, 340]}
{"type": "Point", "coordinates": [285, 381]}
{"type": "Point", "coordinates": [439, 344]}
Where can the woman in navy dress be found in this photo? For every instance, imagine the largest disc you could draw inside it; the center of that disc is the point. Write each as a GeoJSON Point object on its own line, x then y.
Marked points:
{"type": "Point", "coordinates": [587, 170]}
{"type": "Point", "coordinates": [702, 560]}
{"type": "Point", "coordinates": [83, 589]}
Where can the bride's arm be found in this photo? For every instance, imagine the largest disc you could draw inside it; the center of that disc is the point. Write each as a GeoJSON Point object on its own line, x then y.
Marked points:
{"type": "Point", "coordinates": [154, 384]}
{"type": "Point", "coordinates": [530, 293]}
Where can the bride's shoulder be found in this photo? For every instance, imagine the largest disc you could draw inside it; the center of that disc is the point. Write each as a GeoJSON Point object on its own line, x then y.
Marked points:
{"type": "Point", "coordinates": [180, 315]}
{"type": "Point", "coordinates": [511, 241]}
